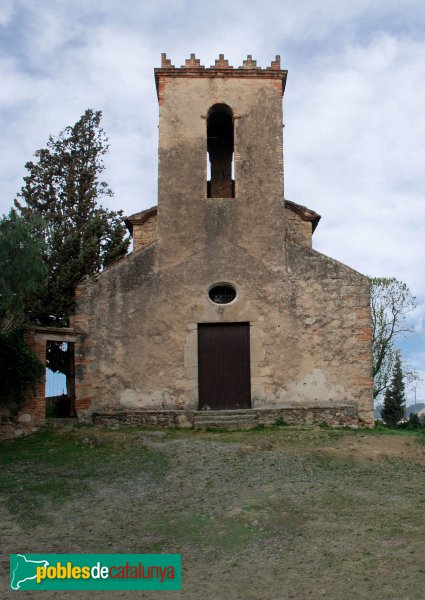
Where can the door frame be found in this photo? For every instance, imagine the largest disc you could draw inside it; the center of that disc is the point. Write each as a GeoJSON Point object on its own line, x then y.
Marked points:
{"type": "Point", "coordinates": [224, 388]}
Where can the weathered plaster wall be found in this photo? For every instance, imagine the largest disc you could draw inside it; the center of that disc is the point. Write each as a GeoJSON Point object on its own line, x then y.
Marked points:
{"type": "Point", "coordinates": [310, 330]}
{"type": "Point", "coordinates": [186, 219]}
{"type": "Point", "coordinates": [298, 230]}
{"type": "Point", "coordinates": [331, 334]}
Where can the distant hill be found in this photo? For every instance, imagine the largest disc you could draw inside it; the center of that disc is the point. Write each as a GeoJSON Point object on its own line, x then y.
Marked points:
{"type": "Point", "coordinates": [412, 408]}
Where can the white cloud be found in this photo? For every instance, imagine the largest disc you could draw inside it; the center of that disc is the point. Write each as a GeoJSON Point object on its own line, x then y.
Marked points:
{"type": "Point", "coordinates": [355, 152]}
{"type": "Point", "coordinates": [6, 12]}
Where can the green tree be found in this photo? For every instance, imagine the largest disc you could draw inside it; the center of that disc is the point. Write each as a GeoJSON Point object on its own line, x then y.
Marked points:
{"type": "Point", "coordinates": [22, 272]}
{"type": "Point", "coordinates": [394, 399]}
{"type": "Point", "coordinates": [20, 368]}
{"type": "Point", "coordinates": [391, 302]}
{"type": "Point", "coordinates": [83, 238]}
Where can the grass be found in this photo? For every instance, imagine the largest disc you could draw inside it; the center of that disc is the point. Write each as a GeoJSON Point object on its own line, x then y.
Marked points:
{"type": "Point", "coordinates": [50, 467]}
{"type": "Point", "coordinates": [275, 512]}
{"type": "Point", "coordinates": [201, 531]}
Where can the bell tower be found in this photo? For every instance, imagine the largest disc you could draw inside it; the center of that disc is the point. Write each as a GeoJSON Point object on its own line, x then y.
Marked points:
{"type": "Point", "coordinates": [224, 305]}
{"type": "Point", "coordinates": [220, 177]}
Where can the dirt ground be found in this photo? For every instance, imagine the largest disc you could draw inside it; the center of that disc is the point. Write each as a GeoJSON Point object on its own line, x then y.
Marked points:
{"type": "Point", "coordinates": [263, 515]}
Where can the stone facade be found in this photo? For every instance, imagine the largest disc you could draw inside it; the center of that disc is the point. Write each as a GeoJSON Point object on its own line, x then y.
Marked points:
{"type": "Point", "coordinates": [309, 317]}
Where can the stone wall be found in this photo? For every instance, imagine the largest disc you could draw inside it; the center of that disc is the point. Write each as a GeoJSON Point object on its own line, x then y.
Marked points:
{"type": "Point", "coordinates": [309, 316]}
{"type": "Point", "coordinates": [333, 416]}
{"type": "Point", "coordinates": [310, 330]}
{"type": "Point", "coordinates": [333, 339]}
{"type": "Point", "coordinates": [298, 231]}
{"type": "Point", "coordinates": [187, 219]}
{"type": "Point", "coordinates": [145, 233]}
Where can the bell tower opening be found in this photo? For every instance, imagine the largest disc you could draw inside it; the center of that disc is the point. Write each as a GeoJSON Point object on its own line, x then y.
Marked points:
{"type": "Point", "coordinates": [220, 152]}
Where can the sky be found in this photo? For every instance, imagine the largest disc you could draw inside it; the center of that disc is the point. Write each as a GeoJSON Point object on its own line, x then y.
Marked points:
{"type": "Point", "coordinates": [354, 108]}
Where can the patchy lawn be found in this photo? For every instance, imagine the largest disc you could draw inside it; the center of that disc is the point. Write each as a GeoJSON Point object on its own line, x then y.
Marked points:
{"type": "Point", "coordinates": [264, 515]}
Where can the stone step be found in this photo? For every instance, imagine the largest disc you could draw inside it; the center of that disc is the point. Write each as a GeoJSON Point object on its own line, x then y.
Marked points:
{"type": "Point", "coordinates": [225, 414]}
{"type": "Point", "coordinates": [333, 415]}
{"type": "Point", "coordinates": [225, 419]}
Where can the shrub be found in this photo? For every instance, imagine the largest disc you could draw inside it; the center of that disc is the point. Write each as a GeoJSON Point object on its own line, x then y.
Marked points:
{"type": "Point", "coordinates": [415, 422]}
{"type": "Point", "coordinates": [20, 368]}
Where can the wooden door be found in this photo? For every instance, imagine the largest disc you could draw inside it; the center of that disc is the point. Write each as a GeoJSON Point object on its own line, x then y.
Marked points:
{"type": "Point", "coordinates": [224, 366]}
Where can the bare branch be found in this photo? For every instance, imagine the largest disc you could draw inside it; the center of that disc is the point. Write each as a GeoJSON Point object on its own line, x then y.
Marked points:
{"type": "Point", "coordinates": [391, 303]}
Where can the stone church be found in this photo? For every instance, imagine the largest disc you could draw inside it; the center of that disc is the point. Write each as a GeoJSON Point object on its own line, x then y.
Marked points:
{"type": "Point", "coordinates": [223, 307]}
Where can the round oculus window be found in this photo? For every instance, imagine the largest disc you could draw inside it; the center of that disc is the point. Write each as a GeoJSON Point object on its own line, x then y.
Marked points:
{"type": "Point", "coordinates": [222, 294]}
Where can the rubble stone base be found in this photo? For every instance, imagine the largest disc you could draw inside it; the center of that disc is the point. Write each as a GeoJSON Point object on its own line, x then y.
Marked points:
{"type": "Point", "coordinates": [333, 416]}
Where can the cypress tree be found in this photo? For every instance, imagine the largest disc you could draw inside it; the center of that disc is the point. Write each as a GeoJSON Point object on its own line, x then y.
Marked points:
{"type": "Point", "coordinates": [393, 408]}
{"type": "Point", "coordinates": [63, 188]}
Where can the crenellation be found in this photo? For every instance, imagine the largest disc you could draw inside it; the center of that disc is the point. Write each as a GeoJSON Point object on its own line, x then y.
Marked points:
{"type": "Point", "coordinates": [249, 63]}
{"type": "Point", "coordinates": [193, 63]}
{"type": "Point", "coordinates": [165, 62]}
{"type": "Point", "coordinates": [221, 63]}
{"type": "Point", "coordinates": [275, 65]}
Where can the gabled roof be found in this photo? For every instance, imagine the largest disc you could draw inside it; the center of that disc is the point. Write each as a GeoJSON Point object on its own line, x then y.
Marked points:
{"type": "Point", "coordinates": [305, 213]}
{"type": "Point", "coordinates": [139, 218]}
